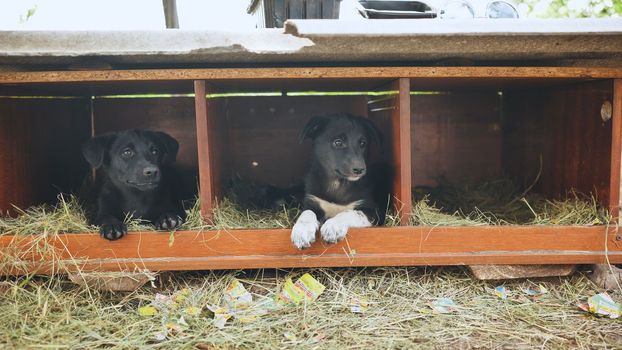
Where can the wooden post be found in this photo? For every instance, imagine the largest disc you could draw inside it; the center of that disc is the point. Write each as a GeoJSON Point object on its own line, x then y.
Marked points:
{"type": "Point", "coordinates": [400, 122]}
{"type": "Point", "coordinates": [206, 191]}
{"type": "Point", "coordinates": [616, 150]}
{"type": "Point", "coordinates": [170, 14]}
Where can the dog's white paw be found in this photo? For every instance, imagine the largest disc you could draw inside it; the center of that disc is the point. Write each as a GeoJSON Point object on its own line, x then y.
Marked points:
{"type": "Point", "coordinates": [303, 232]}
{"type": "Point", "coordinates": [335, 229]}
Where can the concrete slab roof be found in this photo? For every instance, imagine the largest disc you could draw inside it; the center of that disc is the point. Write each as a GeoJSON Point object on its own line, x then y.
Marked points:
{"type": "Point", "coordinates": [595, 42]}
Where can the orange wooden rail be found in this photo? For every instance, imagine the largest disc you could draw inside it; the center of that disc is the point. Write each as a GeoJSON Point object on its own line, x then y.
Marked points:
{"type": "Point", "coordinates": [237, 249]}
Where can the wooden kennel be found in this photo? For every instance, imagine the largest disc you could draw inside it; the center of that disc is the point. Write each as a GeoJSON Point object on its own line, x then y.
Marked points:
{"type": "Point", "coordinates": [468, 121]}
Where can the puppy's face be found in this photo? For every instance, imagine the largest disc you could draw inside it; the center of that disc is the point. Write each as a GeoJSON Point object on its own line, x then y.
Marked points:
{"type": "Point", "coordinates": [132, 158]}
{"type": "Point", "coordinates": [341, 144]}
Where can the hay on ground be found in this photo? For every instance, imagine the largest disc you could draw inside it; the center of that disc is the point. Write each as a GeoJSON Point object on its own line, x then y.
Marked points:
{"type": "Point", "coordinates": [50, 312]}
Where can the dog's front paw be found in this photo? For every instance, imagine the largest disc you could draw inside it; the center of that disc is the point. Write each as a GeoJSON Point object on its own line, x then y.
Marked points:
{"type": "Point", "coordinates": [303, 232]}
{"type": "Point", "coordinates": [113, 230]}
{"type": "Point", "coordinates": [168, 221]}
{"type": "Point", "coordinates": [334, 230]}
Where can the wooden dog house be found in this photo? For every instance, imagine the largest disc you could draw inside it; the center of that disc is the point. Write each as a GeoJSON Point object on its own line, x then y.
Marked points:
{"type": "Point", "coordinates": [477, 121]}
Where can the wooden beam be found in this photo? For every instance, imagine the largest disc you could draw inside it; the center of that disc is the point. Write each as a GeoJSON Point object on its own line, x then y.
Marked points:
{"type": "Point", "coordinates": [378, 246]}
{"type": "Point", "coordinates": [206, 190]}
{"type": "Point", "coordinates": [170, 14]}
{"type": "Point", "coordinates": [486, 73]}
{"type": "Point", "coordinates": [616, 150]}
{"type": "Point", "coordinates": [400, 121]}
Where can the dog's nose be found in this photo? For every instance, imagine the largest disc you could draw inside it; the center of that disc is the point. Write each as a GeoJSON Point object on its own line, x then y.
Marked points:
{"type": "Point", "coordinates": [358, 171]}
{"type": "Point", "coordinates": [150, 171]}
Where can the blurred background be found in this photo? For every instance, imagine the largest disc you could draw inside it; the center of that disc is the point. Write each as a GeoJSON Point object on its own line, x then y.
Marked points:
{"type": "Point", "coordinates": [231, 15]}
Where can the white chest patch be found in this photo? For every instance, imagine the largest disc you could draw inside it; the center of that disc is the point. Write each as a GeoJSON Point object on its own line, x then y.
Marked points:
{"type": "Point", "coordinates": [332, 209]}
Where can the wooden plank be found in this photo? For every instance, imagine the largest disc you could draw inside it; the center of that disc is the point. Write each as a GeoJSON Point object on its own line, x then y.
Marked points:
{"type": "Point", "coordinates": [206, 193]}
{"type": "Point", "coordinates": [295, 9]}
{"type": "Point", "coordinates": [616, 149]}
{"type": "Point", "coordinates": [376, 246]}
{"type": "Point", "coordinates": [40, 143]}
{"type": "Point", "coordinates": [562, 127]}
{"type": "Point", "coordinates": [455, 136]}
{"type": "Point", "coordinates": [463, 73]}
{"type": "Point", "coordinates": [400, 117]}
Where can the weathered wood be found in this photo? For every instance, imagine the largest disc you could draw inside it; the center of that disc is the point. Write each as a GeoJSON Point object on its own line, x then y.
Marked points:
{"type": "Point", "coordinates": [503, 272]}
{"type": "Point", "coordinates": [455, 136]}
{"type": "Point", "coordinates": [606, 276]}
{"type": "Point", "coordinates": [400, 127]}
{"type": "Point", "coordinates": [40, 142]}
{"type": "Point", "coordinates": [558, 134]}
{"type": "Point", "coordinates": [111, 281]}
{"type": "Point", "coordinates": [616, 149]}
{"type": "Point", "coordinates": [206, 193]}
{"type": "Point", "coordinates": [434, 76]}
{"type": "Point", "coordinates": [236, 249]}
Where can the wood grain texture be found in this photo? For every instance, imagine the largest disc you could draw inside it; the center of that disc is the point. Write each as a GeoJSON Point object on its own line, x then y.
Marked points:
{"type": "Point", "coordinates": [616, 149]}
{"type": "Point", "coordinates": [206, 192]}
{"type": "Point", "coordinates": [402, 159]}
{"type": "Point", "coordinates": [40, 149]}
{"type": "Point", "coordinates": [436, 73]}
{"type": "Point", "coordinates": [563, 126]}
{"type": "Point", "coordinates": [236, 249]}
{"type": "Point", "coordinates": [455, 136]}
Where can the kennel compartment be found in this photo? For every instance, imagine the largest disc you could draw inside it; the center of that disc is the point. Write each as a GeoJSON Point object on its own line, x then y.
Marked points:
{"type": "Point", "coordinates": [547, 136]}
{"type": "Point", "coordinates": [255, 138]}
{"type": "Point", "coordinates": [40, 139]}
{"type": "Point", "coordinates": [44, 126]}
{"type": "Point", "coordinates": [474, 121]}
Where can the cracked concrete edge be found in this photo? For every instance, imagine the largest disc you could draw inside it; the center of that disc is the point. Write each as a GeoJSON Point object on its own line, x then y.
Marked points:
{"type": "Point", "coordinates": [307, 42]}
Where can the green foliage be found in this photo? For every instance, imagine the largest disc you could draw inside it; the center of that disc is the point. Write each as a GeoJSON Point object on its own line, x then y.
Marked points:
{"type": "Point", "coordinates": [572, 8]}
{"type": "Point", "coordinates": [29, 13]}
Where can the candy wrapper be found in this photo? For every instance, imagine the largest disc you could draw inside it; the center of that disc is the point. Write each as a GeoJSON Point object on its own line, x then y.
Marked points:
{"type": "Point", "coordinates": [236, 296]}
{"type": "Point", "coordinates": [221, 315]}
{"type": "Point", "coordinates": [305, 289]}
{"type": "Point", "coordinates": [536, 292]}
{"type": "Point", "coordinates": [444, 305]}
{"type": "Point", "coordinates": [602, 305]}
{"type": "Point", "coordinates": [238, 303]}
{"type": "Point", "coordinates": [502, 292]}
{"type": "Point", "coordinates": [147, 310]}
{"type": "Point", "coordinates": [359, 305]}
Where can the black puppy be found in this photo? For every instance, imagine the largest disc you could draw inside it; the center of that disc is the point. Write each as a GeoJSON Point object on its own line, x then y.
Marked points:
{"type": "Point", "coordinates": [137, 179]}
{"type": "Point", "coordinates": [339, 191]}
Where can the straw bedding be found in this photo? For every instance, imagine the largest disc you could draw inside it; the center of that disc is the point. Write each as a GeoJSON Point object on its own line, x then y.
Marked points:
{"type": "Point", "coordinates": [52, 312]}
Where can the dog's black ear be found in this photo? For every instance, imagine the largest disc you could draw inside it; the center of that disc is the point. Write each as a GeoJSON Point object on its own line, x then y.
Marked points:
{"type": "Point", "coordinates": [373, 131]}
{"type": "Point", "coordinates": [313, 128]}
{"type": "Point", "coordinates": [170, 145]}
{"type": "Point", "coordinates": [95, 149]}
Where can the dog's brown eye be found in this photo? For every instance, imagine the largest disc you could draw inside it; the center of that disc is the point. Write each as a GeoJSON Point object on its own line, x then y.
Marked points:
{"type": "Point", "coordinates": [363, 143]}
{"type": "Point", "coordinates": [127, 153]}
{"type": "Point", "coordinates": [338, 143]}
{"type": "Point", "coordinates": [155, 151]}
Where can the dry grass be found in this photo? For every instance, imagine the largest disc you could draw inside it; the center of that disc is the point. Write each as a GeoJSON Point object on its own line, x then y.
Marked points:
{"type": "Point", "coordinates": [499, 202]}
{"type": "Point", "coordinates": [50, 312]}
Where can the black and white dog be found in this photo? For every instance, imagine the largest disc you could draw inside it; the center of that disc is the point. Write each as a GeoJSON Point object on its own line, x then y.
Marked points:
{"type": "Point", "coordinates": [137, 178]}
{"type": "Point", "coordinates": [339, 192]}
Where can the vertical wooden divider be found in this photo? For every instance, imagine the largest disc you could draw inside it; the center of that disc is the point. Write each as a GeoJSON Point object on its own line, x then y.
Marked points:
{"type": "Point", "coordinates": [400, 121]}
{"type": "Point", "coordinates": [616, 150]}
{"type": "Point", "coordinates": [206, 191]}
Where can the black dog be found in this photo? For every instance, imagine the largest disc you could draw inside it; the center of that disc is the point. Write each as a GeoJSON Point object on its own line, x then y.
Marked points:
{"type": "Point", "coordinates": [339, 191]}
{"type": "Point", "coordinates": [137, 179]}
